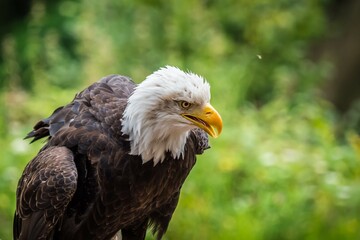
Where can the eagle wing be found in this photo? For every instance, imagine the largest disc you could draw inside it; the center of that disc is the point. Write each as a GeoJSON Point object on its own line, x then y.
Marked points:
{"type": "Point", "coordinates": [45, 189]}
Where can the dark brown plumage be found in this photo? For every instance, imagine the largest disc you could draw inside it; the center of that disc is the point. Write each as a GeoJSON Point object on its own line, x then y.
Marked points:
{"type": "Point", "coordinates": [83, 184]}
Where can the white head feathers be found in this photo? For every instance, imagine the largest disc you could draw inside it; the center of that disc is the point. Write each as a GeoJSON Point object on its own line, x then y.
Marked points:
{"type": "Point", "coordinates": [152, 118]}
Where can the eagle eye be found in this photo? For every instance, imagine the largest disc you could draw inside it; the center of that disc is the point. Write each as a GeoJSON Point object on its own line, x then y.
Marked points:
{"type": "Point", "coordinates": [185, 104]}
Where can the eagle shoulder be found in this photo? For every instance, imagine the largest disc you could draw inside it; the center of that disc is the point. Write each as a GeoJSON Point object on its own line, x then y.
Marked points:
{"type": "Point", "coordinates": [101, 103]}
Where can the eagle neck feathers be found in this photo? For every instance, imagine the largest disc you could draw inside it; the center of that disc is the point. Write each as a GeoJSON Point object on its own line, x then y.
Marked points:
{"type": "Point", "coordinates": [150, 124]}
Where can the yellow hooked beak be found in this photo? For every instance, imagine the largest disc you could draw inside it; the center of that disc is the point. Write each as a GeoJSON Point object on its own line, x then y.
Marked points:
{"type": "Point", "coordinates": [207, 119]}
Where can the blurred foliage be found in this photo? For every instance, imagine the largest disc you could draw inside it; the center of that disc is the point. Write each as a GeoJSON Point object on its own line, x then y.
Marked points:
{"type": "Point", "coordinates": [278, 171]}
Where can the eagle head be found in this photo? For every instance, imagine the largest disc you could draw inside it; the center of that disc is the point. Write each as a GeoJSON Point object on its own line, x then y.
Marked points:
{"type": "Point", "coordinates": [163, 109]}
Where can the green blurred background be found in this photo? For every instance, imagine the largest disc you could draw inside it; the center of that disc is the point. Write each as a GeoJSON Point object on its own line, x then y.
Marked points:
{"type": "Point", "coordinates": [284, 75]}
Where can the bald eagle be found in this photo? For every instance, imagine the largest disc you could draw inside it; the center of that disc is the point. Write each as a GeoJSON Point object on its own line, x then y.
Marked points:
{"type": "Point", "coordinates": [116, 158]}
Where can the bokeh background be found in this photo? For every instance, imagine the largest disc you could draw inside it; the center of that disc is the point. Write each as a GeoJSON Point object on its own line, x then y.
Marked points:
{"type": "Point", "coordinates": [284, 75]}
